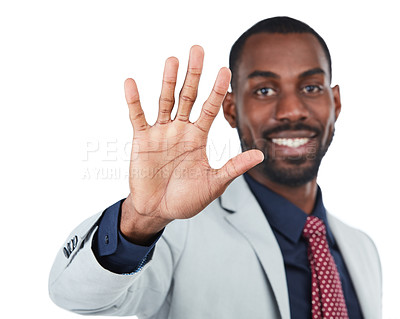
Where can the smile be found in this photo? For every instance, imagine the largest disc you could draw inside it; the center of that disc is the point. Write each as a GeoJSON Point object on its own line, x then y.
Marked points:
{"type": "Point", "coordinates": [291, 142]}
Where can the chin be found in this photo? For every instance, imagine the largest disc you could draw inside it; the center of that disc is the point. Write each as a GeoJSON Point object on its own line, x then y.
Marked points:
{"type": "Point", "coordinates": [290, 174]}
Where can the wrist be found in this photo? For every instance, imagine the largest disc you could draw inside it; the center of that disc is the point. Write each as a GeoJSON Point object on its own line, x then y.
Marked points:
{"type": "Point", "coordinates": [137, 228]}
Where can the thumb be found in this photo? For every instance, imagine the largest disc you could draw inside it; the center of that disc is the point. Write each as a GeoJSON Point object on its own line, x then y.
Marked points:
{"type": "Point", "coordinates": [238, 165]}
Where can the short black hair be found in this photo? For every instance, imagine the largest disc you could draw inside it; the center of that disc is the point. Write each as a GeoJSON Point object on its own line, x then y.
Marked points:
{"type": "Point", "coordinates": [282, 25]}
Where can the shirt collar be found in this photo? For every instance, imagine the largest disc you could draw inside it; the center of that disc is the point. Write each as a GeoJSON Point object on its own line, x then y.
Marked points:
{"type": "Point", "coordinates": [283, 216]}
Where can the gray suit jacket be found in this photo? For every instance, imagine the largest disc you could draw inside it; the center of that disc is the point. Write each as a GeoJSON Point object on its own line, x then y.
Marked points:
{"type": "Point", "coordinates": [223, 263]}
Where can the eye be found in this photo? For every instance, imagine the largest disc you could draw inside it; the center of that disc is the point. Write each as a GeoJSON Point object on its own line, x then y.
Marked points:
{"type": "Point", "coordinates": [265, 91]}
{"type": "Point", "coordinates": [312, 89]}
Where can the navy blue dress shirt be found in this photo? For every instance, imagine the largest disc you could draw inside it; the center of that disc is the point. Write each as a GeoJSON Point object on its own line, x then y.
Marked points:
{"type": "Point", "coordinates": [113, 251]}
{"type": "Point", "coordinates": [287, 221]}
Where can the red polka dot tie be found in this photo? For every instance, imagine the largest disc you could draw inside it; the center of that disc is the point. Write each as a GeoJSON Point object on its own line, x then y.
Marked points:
{"type": "Point", "coordinates": [327, 294]}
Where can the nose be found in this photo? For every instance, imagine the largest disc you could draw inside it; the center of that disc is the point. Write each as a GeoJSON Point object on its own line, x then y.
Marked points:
{"type": "Point", "coordinates": [291, 108]}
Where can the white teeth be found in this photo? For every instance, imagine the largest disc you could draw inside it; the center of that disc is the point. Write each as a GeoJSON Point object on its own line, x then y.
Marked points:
{"type": "Point", "coordinates": [291, 142]}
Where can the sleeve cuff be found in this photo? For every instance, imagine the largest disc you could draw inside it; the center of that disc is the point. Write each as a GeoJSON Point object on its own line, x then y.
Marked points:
{"type": "Point", "coordinates": [113, 251]}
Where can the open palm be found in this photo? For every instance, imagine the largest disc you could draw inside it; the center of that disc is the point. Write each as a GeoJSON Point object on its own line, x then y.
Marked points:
{"type": "Point", "coordinates": [170, 177]}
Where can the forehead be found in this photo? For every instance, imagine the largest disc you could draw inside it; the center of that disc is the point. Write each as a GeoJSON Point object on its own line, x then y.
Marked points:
{"type": "Point", "coordinates": [284, 54]}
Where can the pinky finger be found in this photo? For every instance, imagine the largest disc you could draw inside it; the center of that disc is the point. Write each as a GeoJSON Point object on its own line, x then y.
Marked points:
{"type": "Point", "coordinates": [136, 113]}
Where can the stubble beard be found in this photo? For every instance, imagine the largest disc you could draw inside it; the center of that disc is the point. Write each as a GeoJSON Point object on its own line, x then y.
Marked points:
{"type": "Point", "coordinates": [297, 171]}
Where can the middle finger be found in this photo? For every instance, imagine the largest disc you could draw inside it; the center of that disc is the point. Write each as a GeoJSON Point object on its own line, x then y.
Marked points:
{"type": "Point", "coordinates": [188, 93]}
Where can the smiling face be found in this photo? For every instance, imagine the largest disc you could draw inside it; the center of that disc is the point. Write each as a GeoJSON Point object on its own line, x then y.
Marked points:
{"type": "Point", "coordinates": [283, 105]}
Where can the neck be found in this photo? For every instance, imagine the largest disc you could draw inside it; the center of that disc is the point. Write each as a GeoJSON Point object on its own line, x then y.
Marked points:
{"type": "Point", "coordinates": [303, 196]}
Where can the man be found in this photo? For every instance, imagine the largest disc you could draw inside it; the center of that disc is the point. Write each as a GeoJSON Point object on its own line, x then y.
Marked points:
{"type": "Point", "coordinates": [194, 242]}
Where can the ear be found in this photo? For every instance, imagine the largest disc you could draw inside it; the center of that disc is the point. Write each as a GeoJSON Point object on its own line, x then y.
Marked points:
{"type": "Point", "coordinates": [337, 101]}
{"type": "Point", "coordinates": [229, 108]}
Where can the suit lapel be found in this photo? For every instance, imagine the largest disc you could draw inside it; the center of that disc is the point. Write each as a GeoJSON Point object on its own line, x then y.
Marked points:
{"type": "Point", "coordinates": [359, 267]}
{"type": "Point", "coordinates": [248, 219]}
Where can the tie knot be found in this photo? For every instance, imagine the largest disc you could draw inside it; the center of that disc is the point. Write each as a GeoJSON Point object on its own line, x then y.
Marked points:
{"type": "Point", "coordinates": [314, 227]}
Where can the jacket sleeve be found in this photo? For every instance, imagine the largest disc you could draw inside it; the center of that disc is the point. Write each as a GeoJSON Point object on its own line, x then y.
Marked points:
{"type": "Point", "coordinates": [112, 250]}
{"type": "Point", "coordinates": [80, 284]}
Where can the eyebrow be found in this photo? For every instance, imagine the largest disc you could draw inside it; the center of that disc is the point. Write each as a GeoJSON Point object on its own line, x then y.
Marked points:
{"type": "Point", "coordinates": [312, 72]}
{"type": "Point", "coordinates": [269, 74]}
{"type": "Point", "coordinates": [264, 74]}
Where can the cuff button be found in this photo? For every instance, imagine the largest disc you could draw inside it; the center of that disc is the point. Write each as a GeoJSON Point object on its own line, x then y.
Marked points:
{"type": "Point", "coordinates": [66, 253]}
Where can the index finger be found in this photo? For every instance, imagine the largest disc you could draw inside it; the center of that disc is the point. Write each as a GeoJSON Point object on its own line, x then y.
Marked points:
{"type": "Point", "coordinates": [212, 105]}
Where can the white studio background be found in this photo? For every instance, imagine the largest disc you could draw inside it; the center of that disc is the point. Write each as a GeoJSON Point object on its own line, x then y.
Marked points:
{"type": "Point", "coordinates": [65, 131]}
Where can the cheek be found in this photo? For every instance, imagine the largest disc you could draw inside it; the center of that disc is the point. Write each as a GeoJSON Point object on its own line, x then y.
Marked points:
{"type": "Point", "coordinates": [329, 126]}
{"type": "Point", "coordinates": [254, 116]}
{"type": "Point", "coordinates": [248, 130]}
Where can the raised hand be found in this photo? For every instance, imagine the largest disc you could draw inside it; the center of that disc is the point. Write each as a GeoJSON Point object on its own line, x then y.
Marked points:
{"type": "Point", "coordinates": [170, 177]}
